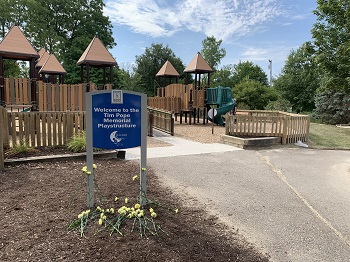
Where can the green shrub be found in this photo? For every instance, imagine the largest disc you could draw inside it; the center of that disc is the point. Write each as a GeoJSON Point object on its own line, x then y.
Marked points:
{"type": "Point", "coordinates": [280, 105]}
{"type": "Point", "coordinates": [77, 143]}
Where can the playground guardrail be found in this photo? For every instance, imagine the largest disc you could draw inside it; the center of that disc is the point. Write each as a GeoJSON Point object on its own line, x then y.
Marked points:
{"type": "Point", "coordinates": [160, 119]}
{"type": "Point", "coordinates": [260, 123]}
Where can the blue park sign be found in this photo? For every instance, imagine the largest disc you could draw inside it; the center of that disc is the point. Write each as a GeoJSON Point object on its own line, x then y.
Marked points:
{"type": "Point", "coordinates": [116, 120]}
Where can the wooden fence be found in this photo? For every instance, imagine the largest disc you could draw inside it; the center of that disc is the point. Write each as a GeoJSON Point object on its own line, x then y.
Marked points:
{"type": "Point", "coordinates": [51, 97]}
{"type": "Point", "coordinates": [258, 123]}
{"type": "Point", "coordinates": [3, 114]}
{"type": "Point", "coordinates": [37, 129]}
{"type": "Point", "coordinates": [160, 119]}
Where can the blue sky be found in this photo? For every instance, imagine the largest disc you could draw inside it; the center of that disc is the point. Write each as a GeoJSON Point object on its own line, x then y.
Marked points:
{"type": "Point", "coordinates": [251, 30]}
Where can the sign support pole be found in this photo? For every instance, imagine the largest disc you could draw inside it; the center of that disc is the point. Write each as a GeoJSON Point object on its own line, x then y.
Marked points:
{"type": "Point", "coordinates": [143, 160]}
{"type": "Point", "coordinates": [89, 152]}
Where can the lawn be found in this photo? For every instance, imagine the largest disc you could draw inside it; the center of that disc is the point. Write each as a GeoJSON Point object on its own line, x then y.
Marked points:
{"type": "Point", "coordinates": [329, 137]}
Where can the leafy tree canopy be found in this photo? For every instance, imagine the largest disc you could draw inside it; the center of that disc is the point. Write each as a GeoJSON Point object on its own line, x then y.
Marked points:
{"type": "Point", "coordinates": [247, 70]}
{"type": "Point", "coordinates": [254, 94]}
{"type": "Point", "coordinates": [331, 35]}
{"type": "Point", "coordinates": [62, 27]}
{"type": "Point", "coordinates": [149, 63]}
{"type": "Point", "coordinates": [299, 79]}
{"type": "Point", "coordinates": [211, 51]}
{"type": "Point", "coordinates": [223, 77]}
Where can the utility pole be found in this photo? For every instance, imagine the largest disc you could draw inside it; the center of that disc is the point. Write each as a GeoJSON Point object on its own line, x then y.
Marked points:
{"type": "Point", "coordinates": [270, 68]}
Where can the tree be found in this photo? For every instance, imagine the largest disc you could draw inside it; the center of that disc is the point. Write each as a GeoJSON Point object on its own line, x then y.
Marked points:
{"type": "Point", "coordinates": [149, 63]}
{"type": "Point", "coordinates": [254, 94]}
{"type": "Point", "coordinates": [247, 70]}
{"type": "Point", "coordinates": [331, 35]}
{"type": "Point", "coordinates": [299, 79]}
{"type": "Point", "coordinates": [211, 51]}
{"type": "Point", "coordinates": [66, 27]}
{"type": "Point", "coordinates": [223, 77]}
{"type": "Point", "coordinates": [12, 12]}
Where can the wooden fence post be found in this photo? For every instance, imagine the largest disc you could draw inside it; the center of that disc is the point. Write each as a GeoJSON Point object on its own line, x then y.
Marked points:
{"type": "Point", "coordinates": [284, 134]}
{"type": "Point", "coordinates": [150, 123]}
{"type": "Point", "coordinates": [172, 128]}
{"type": "Point", "coordinates": [2, 124]}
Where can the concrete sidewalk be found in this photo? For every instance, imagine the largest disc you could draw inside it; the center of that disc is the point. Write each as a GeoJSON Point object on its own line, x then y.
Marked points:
{"type": "Point", "coordinates": [180, 147]}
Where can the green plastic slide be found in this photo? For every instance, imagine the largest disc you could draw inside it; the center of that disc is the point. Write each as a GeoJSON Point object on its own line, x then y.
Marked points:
{"type": "Point", "coordinates": [221, 101]}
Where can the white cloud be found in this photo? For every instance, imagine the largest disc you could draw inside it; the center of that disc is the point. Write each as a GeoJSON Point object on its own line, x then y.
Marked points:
{"type": "Point", "coordinates": [220, 18]}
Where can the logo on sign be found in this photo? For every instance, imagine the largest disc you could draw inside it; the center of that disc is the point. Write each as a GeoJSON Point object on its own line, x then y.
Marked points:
{"type": "Point", "coordinates": [115, 138]}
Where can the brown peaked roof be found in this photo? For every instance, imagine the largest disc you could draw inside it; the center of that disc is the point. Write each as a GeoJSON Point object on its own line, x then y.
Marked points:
{"type": "Point", "coordinates": [96, 54]}
{"type": "Point", "coordinates": [52, 66]}
{"type": "Point", "coordinates": [16, 46]}
{"type": "Point", "coordinates": [44, 55]}
{"type": "Point", "coordinates": [41, 52]}
{"type": "Point", "coordinates": [198, 65]}
{"type": "Point", "coordinates": [167, 70]}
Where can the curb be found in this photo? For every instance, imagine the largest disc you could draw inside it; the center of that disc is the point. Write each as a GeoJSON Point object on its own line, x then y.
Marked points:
{"type": "Point", "coordinates": [56, 158]}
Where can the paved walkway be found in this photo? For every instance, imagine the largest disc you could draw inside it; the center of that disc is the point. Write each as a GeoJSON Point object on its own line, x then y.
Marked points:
{"type": "Point", "coordinates": [293, 203]}
{"type": "Point", "coordinates": [181, 147]}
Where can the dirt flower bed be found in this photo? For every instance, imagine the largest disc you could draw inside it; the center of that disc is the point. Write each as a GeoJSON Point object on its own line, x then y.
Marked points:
{"type": "Point", "coordinates": [39, 201]}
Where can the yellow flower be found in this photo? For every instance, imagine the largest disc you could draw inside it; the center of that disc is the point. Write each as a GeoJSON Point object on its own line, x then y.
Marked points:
{"type": "Point", "coordinates": [154, 214]}
{"type": "Point", "coordinates": [116, 199]}
{"type": "Point", "coordinates": [84, 169]}
{"type": "Point", "coordinates": [94, 166]}
{"type": "Point", "coordinates": [104, 217]}
{"type": "Point", "coordinates": [107, 210]}
{"type": "Point", "coordinates": [98, 208]}
{"type": "Point", "coordinates": [137, 206]}
{"type": "Point", "coordinates": [100, 221]}
{"type": "Point", "coordinates": [88, 172]}
{"type": "Point", "coordinates": [126, 200]}
{"type": "Point", "coordinates": [111, 210]}
{"type": "Point", "coordinates": [143, 169]}
{"type": "Point", "coordinates": [87, 211]}
{"type": "Point", "coordinates": [134, 178]}
{"type": "Point", "coordinates": [151, 210]}
{"type": "Point", "coordinates": [80, 215]}
{"type": "Point", "coordinates": [139, 215]}
{"type": "Point", "coordinates": [102, 214]}
{"type": "Point", "coordinates": [176, 210]}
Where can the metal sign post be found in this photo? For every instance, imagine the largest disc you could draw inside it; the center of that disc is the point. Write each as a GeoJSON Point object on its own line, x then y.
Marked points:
{"type": "Point", "coordinates": [116, 119]}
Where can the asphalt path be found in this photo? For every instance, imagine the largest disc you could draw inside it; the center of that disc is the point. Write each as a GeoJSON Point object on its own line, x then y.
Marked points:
{"type": "Point", "coordinates": [292, 203]}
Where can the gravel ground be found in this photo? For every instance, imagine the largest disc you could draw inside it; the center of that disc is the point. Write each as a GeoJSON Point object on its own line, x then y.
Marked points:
{"type": "Point", "coordinates": [200, 133]}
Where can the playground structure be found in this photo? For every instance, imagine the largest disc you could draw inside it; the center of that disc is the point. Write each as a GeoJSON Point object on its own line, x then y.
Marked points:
{"type": "Point", "coordinates": [45, 72]}
{"type": "Point", "coordinates": [193, 100]}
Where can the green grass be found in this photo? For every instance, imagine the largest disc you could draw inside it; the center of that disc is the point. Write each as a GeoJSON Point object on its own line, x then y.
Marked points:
{"type": "Point", "coordinates": [329, 137]}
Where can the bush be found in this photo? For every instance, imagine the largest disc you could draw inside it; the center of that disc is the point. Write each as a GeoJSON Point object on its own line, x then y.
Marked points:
{"type": "Point", "coordinates": [280, 105]}
{"type": "Point", "coordinates": [77, 143]}
{"type": "Point", "coordinates": [333, 107]}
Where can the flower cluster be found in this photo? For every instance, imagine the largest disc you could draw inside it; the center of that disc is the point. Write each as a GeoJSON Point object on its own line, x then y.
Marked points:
{"type": "Point", "coordinates": [85, 170]}
{"type": "Point", "coordinates": [117, 219]}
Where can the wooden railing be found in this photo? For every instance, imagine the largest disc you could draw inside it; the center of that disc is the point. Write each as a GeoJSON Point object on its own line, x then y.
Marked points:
{"type": "Point", "coordinates": [160, 119]}
{"type": "Point", "coordinates": [172, 104]}
{"type": "Point", "coordinates": [257, 123]}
